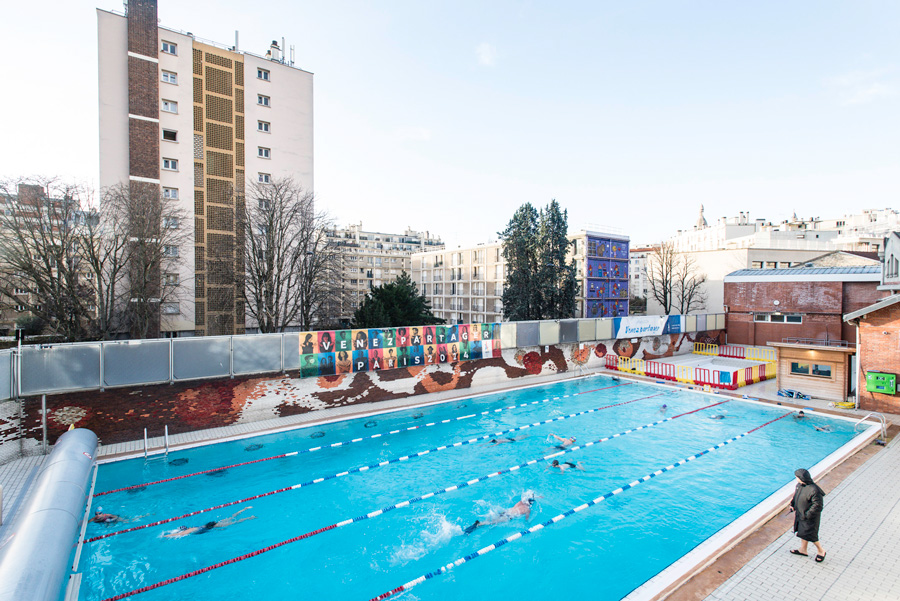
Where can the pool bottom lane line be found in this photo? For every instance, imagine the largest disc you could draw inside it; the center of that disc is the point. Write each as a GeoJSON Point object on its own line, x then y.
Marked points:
{"type": "Point", "coordinates": [348, 442]}
{"type": "Point", "coordinates": [537, 527]}
{"type": "Point", "coordinates": [365, 468]}
{"type": "Point", "coordinates": [378, 512]}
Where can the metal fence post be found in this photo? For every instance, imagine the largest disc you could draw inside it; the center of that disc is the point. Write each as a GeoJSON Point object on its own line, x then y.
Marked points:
{"type": "Point", "coordinates": [44, 423]}
{"type": "Point", "coordinates": [282, 353]}
{"type": "Point", "coordinates": [231, 356]}
{"type": "Point", "coordinates": [102, 388]}
{"type": "Point", "coordinates": [171, 360]}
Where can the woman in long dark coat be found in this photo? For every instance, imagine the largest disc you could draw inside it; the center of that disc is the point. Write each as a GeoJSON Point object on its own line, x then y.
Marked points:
{"type": "Point", "coordinates": [807, 507]}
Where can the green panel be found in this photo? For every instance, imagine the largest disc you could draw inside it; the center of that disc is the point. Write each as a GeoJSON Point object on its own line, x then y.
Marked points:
{"type": "Point", "coordinates": [690, 323]}
{"type": "Point", "coordinates": [604, 329]}
{"type": "Point", "coordinates": [883, 383]}
{"type": "Point", "coordinates": [549, 333]}
{"type": "Point", "coordinates": [587, 330]}
{"type": "Point", "coordinates": [508, 335]}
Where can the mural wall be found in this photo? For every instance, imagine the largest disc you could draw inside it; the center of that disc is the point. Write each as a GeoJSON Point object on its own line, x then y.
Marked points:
{"type": "Point", "coordinates": [606, 278]}
{"type": "Point", "coordinates": [119, 415]}
{"type": "Point", "coordinates": [329, 353]}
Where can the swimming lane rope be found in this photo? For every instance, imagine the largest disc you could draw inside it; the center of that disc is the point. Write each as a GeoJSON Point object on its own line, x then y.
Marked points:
{"type": "Point", "coordinates": [348, 442]}
{"type": "Point", "coordinates": [365, 468]}
{"type": "Point", "coordinates": [449, 489]}
{"type": "Point", "coordinates": [562, 516]}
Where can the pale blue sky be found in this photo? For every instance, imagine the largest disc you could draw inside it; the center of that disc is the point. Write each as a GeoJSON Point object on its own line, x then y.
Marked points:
{"type": "Point", "coordinates": [446, 116]}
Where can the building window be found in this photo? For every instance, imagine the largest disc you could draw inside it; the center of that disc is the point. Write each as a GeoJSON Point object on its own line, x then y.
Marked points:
{"type": "Point", "coordinates": [21, 291]}
{"type": "Point", "coordinates": [820, 370]}
{"type": "Point", "coordinates": [170, 77]}
{"type": "Point", "coordinates": [170, 309]}
{"type": "Point", "coordinates": [262, 74]}
{"type": "Point", "coordinates": [757, 265]}
{"type": "Point", "coordinates": [169, 106]}
{"type": "Point", "coordinates": [170, 193]}
{"type": "Point", "coordinates": [265, 178]}
{"type": "Point", "coordinates": [170, 48]}
{"type": "Point", "coordinates": [170, 250]}
{"type": "Point", "coordinates": [170, 223]}
{"type": "Point", "coordinates": [20, 308]}
{"type": "Point", "coordinates": [778, 317]}
{"type": "Point", "coordinates": [262, 100]}
{"type": "Point", "coordinates": [170, 134]}
{"type": "Point", "coordinates": [263, 126]}
{"type": "Point", "coordinates": [264, 153]}
{"type": "Point", "coordinates": [170, 164]}
{"type": "Point", "coordinates": [170, 279]}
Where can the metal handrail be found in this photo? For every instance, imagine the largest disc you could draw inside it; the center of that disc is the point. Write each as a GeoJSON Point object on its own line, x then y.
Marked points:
{"type": "Point", "coordinates": [880, 418]}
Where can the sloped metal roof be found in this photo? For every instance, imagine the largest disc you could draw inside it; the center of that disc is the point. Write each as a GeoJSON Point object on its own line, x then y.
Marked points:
{"type": "Point", "coordinates": [867, 273]}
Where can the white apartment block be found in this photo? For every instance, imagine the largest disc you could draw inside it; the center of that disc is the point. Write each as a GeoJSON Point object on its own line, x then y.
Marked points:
{"type": "Point", "coordinates": [370, 259]}
{"type": "Point", "coordinates": [743, 243]}
{"type": "Point", "coordinates": [465, 285]}
{"type": "Point", "coordinates": [198, 120]}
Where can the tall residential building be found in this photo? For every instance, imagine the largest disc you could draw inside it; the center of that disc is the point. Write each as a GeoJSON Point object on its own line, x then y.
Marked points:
{"type": "Point", "coordinates": [371, 259]}
{"type": "Point", "coordinates": [465, 285]}
{"type": "Point", "coordinates": [195, 121]}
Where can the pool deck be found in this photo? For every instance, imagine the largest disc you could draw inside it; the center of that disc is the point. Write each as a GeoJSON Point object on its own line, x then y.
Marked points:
{"type": "Point", "coordinates": [860, 524]}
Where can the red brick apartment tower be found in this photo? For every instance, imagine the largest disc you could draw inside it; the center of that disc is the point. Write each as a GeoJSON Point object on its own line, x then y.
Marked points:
{"type": "Point", "coordinates": [143, 110]}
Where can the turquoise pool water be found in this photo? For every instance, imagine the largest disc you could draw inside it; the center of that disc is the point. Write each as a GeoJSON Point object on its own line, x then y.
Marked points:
{"type": "Point", "coordinates": [602, 552]}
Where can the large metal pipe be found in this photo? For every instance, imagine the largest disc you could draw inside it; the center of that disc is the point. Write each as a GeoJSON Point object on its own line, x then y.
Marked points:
{"type": "Point", "coordinates": [34, 562]}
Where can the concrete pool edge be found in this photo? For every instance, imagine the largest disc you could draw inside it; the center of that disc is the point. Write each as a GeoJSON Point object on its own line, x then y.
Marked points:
{"type": "Point", "coordinates": [671, 579]}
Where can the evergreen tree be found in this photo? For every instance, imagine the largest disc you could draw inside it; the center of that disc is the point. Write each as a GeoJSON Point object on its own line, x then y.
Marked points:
{"type": "Point", "coordinates": [395, 304]}
{"type": "Point", "coordinates": [540, 284]}
{"type": "Point", "coordinates": [521, 294]}
{"type": "Point", "coordinates": [556, 277]}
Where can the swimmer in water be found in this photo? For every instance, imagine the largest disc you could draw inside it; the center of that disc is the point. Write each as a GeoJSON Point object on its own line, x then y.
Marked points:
{"type": "Point", "coordinates": [800, 415]}
{"type": "Point", "coordinates": [111, 518]}
{"type": "Point", "coordinates": [564, 442]}
{"type": "Point", "coordinates": [507, 439]}
{"type": "Point", "coordinates": [105, 518]}
{"type": "Point", "coordinates": [229, 521]}
{"type": "Point", "coordinates": [823, 428]}
{"type": "Point", "coordinates": [719, 416]}
{"type": "Point", "coordinates": [521, 508]}
{"type": "Point", "coordinates": [565, 465]}
{"type": "Point", "coordinates": [663, 409]}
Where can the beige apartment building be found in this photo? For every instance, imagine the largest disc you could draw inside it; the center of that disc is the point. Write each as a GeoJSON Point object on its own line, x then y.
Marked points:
{"type": "Point", "coordinates": [194, 121]}
{"type": "Point", "coordinates": [370, 259]}
{"type": "Point", "coordinates": [465, 285]}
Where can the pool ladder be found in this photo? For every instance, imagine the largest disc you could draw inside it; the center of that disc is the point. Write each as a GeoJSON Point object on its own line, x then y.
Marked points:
{"type": "Point", "coordinates": [164, 454]}
{"type": "Point", "coordinates": [880, 418]}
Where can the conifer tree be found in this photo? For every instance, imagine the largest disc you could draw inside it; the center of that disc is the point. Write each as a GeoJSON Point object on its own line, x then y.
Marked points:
{"type": "Point", "coordinates": [394, 304]}
{"type": "Point", "coordinates": [556, 277]}
{"type": "Point", "coordinates": [521, 293]}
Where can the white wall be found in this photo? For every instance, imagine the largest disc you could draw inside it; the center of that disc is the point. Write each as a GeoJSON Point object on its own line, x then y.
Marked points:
{"type": "Point", "coordinates": [291, 116]}
{"type": "Point", "coordinates": [183, 179]}
{"type": "Point", "coordinates": [112, 46]}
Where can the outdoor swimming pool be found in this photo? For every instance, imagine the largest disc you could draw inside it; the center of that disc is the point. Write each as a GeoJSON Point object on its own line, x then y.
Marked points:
{"type": "Point", "coordinates": [605, 550]}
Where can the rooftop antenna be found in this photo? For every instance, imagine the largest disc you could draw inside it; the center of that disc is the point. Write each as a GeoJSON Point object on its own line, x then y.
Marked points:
{"type": "Point", "coordinates": [282, 49]}
{"type": "Point", "coordinates": [236, 36]}
{"type": "Point", "coordinates": [292, 55]}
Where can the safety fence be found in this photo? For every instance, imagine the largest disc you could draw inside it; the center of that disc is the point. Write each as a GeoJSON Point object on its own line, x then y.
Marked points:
{"type": "Point", "coordinates": [751, 353]}
{"type": "Point", "coordinates": [71, 367]}
{"type": "Point", "coordinates": [690, 374]}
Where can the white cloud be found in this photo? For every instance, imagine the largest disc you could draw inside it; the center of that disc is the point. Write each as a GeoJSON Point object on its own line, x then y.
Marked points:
{"type": "Point", "coordinates": [414, 134]}
{"type": "Point", "coordinates": [487, 54]}
{"type": "Point", "coordinates": [863, 87]}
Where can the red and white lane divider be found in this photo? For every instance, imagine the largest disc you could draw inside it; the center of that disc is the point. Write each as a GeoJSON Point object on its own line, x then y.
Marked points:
{"type": "Point", "coordinates": [537, 527]}
{"type": "Point", "coordinates": [383, 510]}
{"type": "Point", "coordinates": [309, 483]}
{"type": "Point", "coordinates": [348, 442]}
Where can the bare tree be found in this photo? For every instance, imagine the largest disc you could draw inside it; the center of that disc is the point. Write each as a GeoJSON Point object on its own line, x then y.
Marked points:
{"type": "Point", "coordinates": [41, 268]}
{"type": "Point", "coordinates": [292, 270]}
{"type": "Point", "coordinates": [675, 281]}
{"type": "Point", "coordinates": [690, 286]}
{"type": "Point", "coordinates": [150, 228]}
